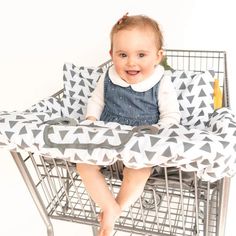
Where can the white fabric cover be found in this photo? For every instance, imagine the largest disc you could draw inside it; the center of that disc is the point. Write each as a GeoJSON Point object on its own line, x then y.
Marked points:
{"type": "Point", "coordinates": [207, 147]}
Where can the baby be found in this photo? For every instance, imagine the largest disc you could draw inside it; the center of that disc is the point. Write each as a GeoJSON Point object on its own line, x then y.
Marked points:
{"type": "Point", "coordinates": [134, 91]}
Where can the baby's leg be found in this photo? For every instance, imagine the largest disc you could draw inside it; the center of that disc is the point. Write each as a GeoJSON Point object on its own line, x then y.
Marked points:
{"type": "Point", "coordinates": [97, 188]}
{"type": "Point", "coordinates": [132, 186]}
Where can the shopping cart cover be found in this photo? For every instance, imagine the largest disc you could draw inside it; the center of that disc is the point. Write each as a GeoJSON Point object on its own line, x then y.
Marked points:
{"type": "Point", "coordinates": [210, 152]}
{"type": "Point", "coordinates": [204, 142]}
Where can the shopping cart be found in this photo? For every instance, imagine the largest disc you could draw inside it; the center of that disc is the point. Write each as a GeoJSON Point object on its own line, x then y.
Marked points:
{"type": "Point", "coordinates": [173, 202]}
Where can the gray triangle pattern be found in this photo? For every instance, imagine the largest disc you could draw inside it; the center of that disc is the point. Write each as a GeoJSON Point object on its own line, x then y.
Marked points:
{"type": "Point", "coordinates": [63, 133]}
{"type": "Point", "coordinates": [9, 134]}
{"type": "Point", "coordinates": [167, 152]}
{"type": "Point", "coordinates": [154, 140]}
{"type": "Point", "coordinates": [23, 144]}
{"type": "Point", "coordinates": [12, 123]}
{"type": "Point", "coordinates": [79, 82]}
{"type": "Point", "coordinates": [149, 155]}
{"type": "Point", "coordinates": [106, 158]}
{"type": "Point", "coordinates": [23, 131]}
{"type": "Point", "coordinates": [109, 133]}
{"type": "Point", "coordinates": [206, 147]}
{"type": "Point", "coordinates": [135, 148]}
{"type": "Point", "coordinates": [91, 134]}
{"type": "Point", "coordinates": [174, 140]}
{"type": "Point", "coordinates": [224, 143]}
{"type": "Point", "coordinates": [132, 160]}
{"type": "Point", "coordinates": [2, 120]}
{"type": "Point", "coordinates": [172, 145]}
{"type": "Point", "coordinates": [199, 94]}
{"type": "Point", "coordinates": [90, 151]}
{"type": "Point", "coordinates": [36, 132]}
{"type": "Point", "coordinates": [187, 146]}
{"type": "Point", "coordinates": [122, 137]}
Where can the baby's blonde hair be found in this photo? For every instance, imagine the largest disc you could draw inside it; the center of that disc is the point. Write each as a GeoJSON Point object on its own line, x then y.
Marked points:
{"type": "Point", "coordinates": [138, 21]}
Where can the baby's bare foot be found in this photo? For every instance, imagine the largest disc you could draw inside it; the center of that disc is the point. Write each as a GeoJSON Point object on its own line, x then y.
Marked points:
{"type": "Point", "coordinates": [107, 220]}
{"type": "Point", "coordinates": [105, 232]}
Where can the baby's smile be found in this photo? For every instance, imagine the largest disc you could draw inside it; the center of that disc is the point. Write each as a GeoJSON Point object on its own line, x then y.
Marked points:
{"type": "Point", "coordinates": [132, 72]}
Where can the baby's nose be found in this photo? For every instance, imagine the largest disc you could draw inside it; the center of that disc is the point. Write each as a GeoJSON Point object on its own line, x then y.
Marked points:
{"type": "Point", "coordinates": [131, 61]}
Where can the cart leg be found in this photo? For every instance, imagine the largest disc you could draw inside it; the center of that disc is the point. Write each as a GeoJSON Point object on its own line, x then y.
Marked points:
{"type": "Point", "coordinates": [95, 230]}
{"type": "Point", "coordinates": [33, 191]}
{"type": "Point", "coordinates": [224, 197]}
{"type": "Point", "coordinates": [93, 207]}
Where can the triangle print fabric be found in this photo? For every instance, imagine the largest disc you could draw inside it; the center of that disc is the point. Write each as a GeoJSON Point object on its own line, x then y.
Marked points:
{"type": "Point", "coordinates": [209, 152]}
{"type": "Point", "coordinates": [195, 96]}
{"type": "Point", "coordinates": [205, 142]}
{"type": "Point", "coordinates": [79, 82]}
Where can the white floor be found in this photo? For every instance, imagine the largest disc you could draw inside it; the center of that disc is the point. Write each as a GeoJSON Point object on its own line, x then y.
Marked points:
{"type": "Point", "coordinates": [19, 216]}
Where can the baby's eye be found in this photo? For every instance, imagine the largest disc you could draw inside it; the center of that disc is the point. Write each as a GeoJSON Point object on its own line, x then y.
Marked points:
{"type": "Point", "coordinates": [141, 54]}
{"type": "Point", "coordinates": [122, 55]}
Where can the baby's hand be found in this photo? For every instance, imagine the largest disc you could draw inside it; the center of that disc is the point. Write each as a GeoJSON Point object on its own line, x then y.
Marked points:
{"type": "Point", "coordinates": [92, 118]}
{"type": "Point", "coordinates": [156, 126]}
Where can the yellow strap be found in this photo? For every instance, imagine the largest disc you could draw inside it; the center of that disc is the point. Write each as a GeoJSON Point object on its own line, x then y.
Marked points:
{"type": "Point", "coordinates": [217, 95]}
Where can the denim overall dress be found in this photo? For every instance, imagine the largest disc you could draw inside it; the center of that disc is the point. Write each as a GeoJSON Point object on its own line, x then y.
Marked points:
{"type": "Point", "coordinates": [129, 107]}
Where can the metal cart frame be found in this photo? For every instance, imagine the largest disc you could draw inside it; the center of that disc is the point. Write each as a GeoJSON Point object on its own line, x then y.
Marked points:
{"type": "Point", "coordinates": [173, 202]}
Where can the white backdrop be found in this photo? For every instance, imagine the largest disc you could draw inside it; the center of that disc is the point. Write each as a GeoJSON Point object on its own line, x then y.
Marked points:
{"type": "Point", "coordinates": [37, 37]}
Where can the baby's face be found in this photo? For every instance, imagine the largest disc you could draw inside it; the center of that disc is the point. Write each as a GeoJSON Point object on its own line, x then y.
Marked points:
{"type": "Point", "coordinates": [135, 54]}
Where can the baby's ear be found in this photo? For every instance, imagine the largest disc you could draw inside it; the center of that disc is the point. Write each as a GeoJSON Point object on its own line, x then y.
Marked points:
{"type": "Point", "coordinates": [110, 52]}
{"type": "Point", "coordinates": [160, 54]}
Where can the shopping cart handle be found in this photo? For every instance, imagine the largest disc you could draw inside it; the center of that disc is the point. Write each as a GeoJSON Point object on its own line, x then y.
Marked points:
{"type": "Point", "coordinates": [146, 129]}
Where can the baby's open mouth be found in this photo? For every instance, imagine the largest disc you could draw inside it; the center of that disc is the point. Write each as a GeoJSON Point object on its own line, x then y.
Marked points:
{"type": "Point", "coordinates": [132, 72]}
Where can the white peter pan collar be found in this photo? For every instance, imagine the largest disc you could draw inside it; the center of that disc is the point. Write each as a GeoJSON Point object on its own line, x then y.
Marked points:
{"type": "Point", "coordinates": [141, 86]}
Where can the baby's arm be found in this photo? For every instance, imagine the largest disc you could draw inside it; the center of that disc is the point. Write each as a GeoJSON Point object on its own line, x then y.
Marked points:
{"type": "Point", "coordinates": [168, 103]}
{"type": "Point", "coordinates": [96, 101]}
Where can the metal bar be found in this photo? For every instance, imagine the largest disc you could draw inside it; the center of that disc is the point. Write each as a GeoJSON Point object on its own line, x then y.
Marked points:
{"type": "Point", "coordinates": [58, 93]}
{"type": "Point", "coordinates": [156, 210]}
{"type": "Point", "coordinates": [168, 199]}
{"type": "Point", "coordinates": [224, 198]}
{"type": "Point", "coordinates": [182, 199]}
{"type": "Point", "coordinates": [33, 191]}
{"type": "Point", "coordinates": [51, 183]}
{"type": "Point", "coordinates": [226, 101]}
{"type": "Point", "coordinates": [196, 204]}
{"type": "Point", "coordinates": [41, 179]}
{"type": "Point", "coordinates": [192, 51]}
{"type": "Point", "coordinates": [207, 211]}
{"type": "Point", "coordinates": [76, 190]}
{"type": "Point", "coordinates": [92, 206]}
{"type": "Point", "coordinates": [63, 185]}
{"type": "Point", "coordinates": [142, 213]}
